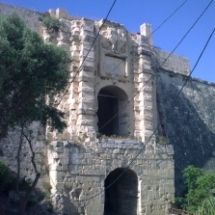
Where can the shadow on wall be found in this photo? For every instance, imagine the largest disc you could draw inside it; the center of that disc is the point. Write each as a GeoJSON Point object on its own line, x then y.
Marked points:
{"type": "Point", "coordinates": [11, 199]}
{"type": "Point", "coordinates": [193, 141]}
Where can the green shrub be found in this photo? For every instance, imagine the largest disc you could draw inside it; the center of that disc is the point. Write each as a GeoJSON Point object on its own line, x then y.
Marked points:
{"type": "Point", "coordinates": [25, 184]}
{"type": "Point", "coordinates": [162, 140]}
{"type": "Point", "coordinates": [4, 175]}
{"type": "Point", "coordinates": [200, 187]}
{"type": "Point", "coordinates": [208, 206]}
{"type": "Point", "coordinates": [52, 24]}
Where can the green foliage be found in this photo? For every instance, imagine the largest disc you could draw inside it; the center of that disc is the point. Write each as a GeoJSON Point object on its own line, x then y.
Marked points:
{"type": "Point", "coordinates": [47, 188]}
{"type": "Point", "coordinates": [162, 140]}
{"type": "Point", "coordinates": [199, 188]}
{"type": "Point", "coordinates": [24, 184]}
{"type": "Point", "coordinates": [51, 24]}
{"type": "Point", "coordinates": [4, 175]}
{"type": "Point", "coordinates": [30, 72]}
{"type": "Point", "coordinates": [191, 174]}
{"type": "Point", "coordinates": [208, 206]}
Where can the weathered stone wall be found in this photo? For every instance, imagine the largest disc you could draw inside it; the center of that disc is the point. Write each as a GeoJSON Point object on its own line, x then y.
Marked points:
{"type": "Point", "coordinates": [30, 17]}
{"type": "Point", "coordinates": [9, 154]}
{"type": "Point", "coordinates": [78, 174]}
{"type": "Point", "coordinates": [188, 121]}
{"type": "Point", "coordinates": [175, 63]}
{"type": "Point", "coordinates": [117, 59]}
{"type": "Point", "coordinates": [9, 146]}
{"type": "Point", "coordinates": [78, 161]}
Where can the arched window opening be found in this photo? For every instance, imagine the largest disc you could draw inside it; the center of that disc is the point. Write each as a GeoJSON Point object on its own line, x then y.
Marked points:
{"type": "Point", "coordinates": [121, 197]}
{"type": "Point", "coordinates": [112, 113]}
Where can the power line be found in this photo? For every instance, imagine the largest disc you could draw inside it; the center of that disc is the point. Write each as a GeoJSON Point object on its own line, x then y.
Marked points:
{"type": "Point", "coordinates": [199, 17]}
{"type": "Point", "coordinates": [127, 102]}
{"type": "Point", "coordinates": [151, 34]}
{"type": "Point", "coordinates": [93, 43]}
{"type": "Point", "coordinates": [168, 17]}
{"type": "Point", "coordinates": [104, 21]}
{"type": "Point", "coordinates": [174, 100]}
{"type": "Point", "coordinates": [129, 53]}
{"type": "Point", "coordinates": [172, 50]}
{"type": "Point", "coordinates": [199, 58]}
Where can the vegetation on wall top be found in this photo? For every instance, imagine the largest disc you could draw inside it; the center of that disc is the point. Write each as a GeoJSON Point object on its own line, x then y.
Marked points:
{"type": "Point", "coordinates": [52, 25]}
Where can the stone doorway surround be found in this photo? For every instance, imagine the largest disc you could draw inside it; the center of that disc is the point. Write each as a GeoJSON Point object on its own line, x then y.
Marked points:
{"type": "Point", "coordinates": [112, 112]}
{"type": "Point", "coordinates": [121, 197]}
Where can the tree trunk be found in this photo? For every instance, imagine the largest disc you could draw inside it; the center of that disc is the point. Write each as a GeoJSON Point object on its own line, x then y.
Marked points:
{"type": "Point", "coordinates": [25, 199]}
{"type": "Point", "coordinates": [18, 159]}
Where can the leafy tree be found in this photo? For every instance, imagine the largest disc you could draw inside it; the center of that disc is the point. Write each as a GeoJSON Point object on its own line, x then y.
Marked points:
{"type": "Point", "coordinates": [4, 175]}
{"type": "Point", "coordinates": [31, 74]}
{"type": "Point", "coordinates": [30, 70]}
{"type": "Point", "coordinates": [200, 187]}
{"type": "Point", "coordinates": [208, 206]}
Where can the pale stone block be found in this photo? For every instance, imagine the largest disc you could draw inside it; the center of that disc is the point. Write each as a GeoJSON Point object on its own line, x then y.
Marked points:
{"type": "Point", "coordinates": [86, 74]}
{"type": "Point", "coordinates": [87, 38]}
{"type": "Point", "coordinates": [86, 105]}
{"type": "Point", "coordinates": [89, 53]}
{"type": "Point", "coordinates": [89, 62]}
{"type": "Point", "coordinates": [60, 13]}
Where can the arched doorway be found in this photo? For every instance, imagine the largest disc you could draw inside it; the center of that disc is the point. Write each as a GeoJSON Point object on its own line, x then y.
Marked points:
{"type": "Point", "coordinates": [112, 111]}
{"type": "Point", "coordinates": [121, 197]}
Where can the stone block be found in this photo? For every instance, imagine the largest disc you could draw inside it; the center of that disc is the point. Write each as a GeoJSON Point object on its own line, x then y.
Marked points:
{"type": "Point", "coordinates": [60, 13]}
{"type": "Point", "coordinates": [89, 53]}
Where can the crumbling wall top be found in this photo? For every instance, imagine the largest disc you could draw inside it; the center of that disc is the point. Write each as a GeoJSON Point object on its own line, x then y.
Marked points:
{"type": "Point", "coordinates": [175, 63]}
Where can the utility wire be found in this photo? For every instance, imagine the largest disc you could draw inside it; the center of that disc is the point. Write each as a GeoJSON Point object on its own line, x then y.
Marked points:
{"type": "Point", "coordinates": [174, 100]}
{"type": "Point", "coordinates": [199, 58]}
{"type": "Point", "coordinates": [128, 102]}
{"type": "Point", "coordinates": [104, 21]}
{"type": "Point", "coordinates": [94, 40]}
{"type": "Point", "coordinates": [168, 17]}
{"type": "Point", "coordinates": [151, 34]}
{"type": "Point", "coordinates": [199, 17]}
{"type": "Point", "coordinates": [129, 53]}
{"type": "Point", "coordinates": [148, 81]}
{"type": "Point", "coordinates": [176, 95]}
{"type": "Point", "coordinates": [175, 47]}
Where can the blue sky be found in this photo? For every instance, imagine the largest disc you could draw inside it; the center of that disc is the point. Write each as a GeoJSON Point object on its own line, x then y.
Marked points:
{"type": "Point", "coordinates": [132, 13]}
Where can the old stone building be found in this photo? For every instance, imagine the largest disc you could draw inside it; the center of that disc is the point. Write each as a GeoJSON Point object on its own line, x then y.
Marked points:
{"type": "Point", "coordinates": [116, 154]}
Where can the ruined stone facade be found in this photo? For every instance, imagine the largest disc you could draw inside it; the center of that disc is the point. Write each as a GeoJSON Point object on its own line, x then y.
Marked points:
{"type": "Point", "coordinates": [109, 81]}
{"type": "Point", "coordinates": [113, 158]}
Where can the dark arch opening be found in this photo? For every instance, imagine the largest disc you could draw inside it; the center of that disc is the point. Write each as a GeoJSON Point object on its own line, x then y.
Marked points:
{"type": "Point", "coordinates": [112, 117]}
{"type": "Point", "coordinates": [121, 197]}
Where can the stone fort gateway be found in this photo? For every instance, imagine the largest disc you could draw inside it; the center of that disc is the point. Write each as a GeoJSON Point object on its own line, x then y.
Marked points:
{"type": "Point", "coordinates": [129, 135]}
